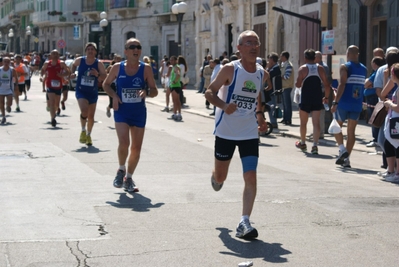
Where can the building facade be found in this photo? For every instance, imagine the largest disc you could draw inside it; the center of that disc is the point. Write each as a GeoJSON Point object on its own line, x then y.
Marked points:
{"type": "Point", "coordinates": [207, 27]}
{"type": "Point", "coordinates": [53, 25]}
{"type": "Point", "coordinates": [152, 22]}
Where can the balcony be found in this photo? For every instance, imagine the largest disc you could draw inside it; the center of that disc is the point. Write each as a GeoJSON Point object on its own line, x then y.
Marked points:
{"type": "Point", "coordinates": [40, 18]}
{"type": "Point", "coordinates": [92, 8]}
{"type": "Point", "coordinates": [24, 7]}
{"type": "Point", "coordinates": [44, 18]}
{"type": "Point", "coordinates": [70, 18]}
{"type": "Point", "coordinates": [13, 17]}
{"type": "Point", "coordinates": [5, 22]}
{"type": "Point", "coordinates": [124, 7]}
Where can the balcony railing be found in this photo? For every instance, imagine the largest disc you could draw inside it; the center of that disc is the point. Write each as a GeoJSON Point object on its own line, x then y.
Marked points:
{"type": "Point", "coordinates": [24, 7]}
{"type": "Point", "coordinates": [93, 6]}
{"type": "Point", "coordinates": [40, 17]}
{"type": "Point", "coordinates": [43, 17]}
{"type": "Point", "coordinates": [123, 4]}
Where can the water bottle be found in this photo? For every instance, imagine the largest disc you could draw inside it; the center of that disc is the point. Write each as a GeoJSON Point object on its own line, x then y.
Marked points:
{"type": "Point", "coordinates": [326, 107]}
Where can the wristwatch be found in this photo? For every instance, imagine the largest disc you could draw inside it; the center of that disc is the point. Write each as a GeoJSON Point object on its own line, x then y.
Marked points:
{"type": "Point", "coordinates": [334, 103]}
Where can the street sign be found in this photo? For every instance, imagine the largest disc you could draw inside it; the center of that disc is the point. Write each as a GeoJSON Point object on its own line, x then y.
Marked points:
{"type": "Point", "coordinates": [61, 43]}
{"type": "Point", "coordinates": [327, 42]}
{"type": "Point", "coordinates": [36, 40]}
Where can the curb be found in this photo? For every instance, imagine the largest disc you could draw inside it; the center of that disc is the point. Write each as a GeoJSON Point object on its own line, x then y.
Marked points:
{"type": "Point", "coordinates": [277, 132]}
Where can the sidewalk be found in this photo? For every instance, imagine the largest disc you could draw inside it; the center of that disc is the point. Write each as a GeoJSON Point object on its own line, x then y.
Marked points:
{"type": "Point", "coordinates": [195, 104]}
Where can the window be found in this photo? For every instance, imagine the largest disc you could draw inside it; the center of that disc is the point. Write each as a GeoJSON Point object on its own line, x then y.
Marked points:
{"type": "Point", "coordinates": [308, 2]}
{"type": "Point", "coordinates": [260, 9]}
{"type": "Point", "coordinates": [378, 9]}
{"type": "Point", "coordinates": [167, 4]}
{"type": "Point", "coordinates": [130, 35]}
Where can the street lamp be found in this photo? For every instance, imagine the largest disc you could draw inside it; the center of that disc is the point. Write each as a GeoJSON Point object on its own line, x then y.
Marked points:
{"type": "Point", "coordinates": [28, 33]}
{"type": "Point", "coordinates": [103, 24]}
{"type": "Point", "coordinates": [179, 9]}
{"type": "Point", "coordinates": [11, 36]}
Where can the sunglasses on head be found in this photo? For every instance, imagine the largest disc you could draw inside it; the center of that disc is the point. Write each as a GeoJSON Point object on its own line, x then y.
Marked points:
{"type": "Point", "coordinates": [132, 47]}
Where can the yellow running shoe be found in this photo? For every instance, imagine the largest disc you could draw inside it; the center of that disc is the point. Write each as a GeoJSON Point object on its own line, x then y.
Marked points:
{"type": "Point", "coordinates": [83, 137]}
{"type": "Point", "coordinates": [88, 140]}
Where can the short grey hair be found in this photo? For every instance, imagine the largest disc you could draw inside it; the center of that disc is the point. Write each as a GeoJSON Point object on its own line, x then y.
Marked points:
{"type": "Point", "coordinates": [391, 48]}
{"type": "Point", "coordinates": [245, 33]}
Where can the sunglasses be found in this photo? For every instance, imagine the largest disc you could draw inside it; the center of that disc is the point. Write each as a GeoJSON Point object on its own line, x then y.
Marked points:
{"type": "Point", "coordinates": [132, 47]}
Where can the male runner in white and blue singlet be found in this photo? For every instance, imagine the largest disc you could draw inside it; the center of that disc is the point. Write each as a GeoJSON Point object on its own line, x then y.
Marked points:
{"type": "Point", "coordinates": [238, 118]}
{"type": "Point", "coordinates": [130, 112]}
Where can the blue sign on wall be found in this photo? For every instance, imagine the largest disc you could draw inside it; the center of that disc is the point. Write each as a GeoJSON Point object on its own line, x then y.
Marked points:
{"type": "Point", "coordinates": [76, 32]}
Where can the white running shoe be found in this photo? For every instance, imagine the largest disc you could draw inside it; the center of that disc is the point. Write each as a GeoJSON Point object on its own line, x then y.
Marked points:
{"type": "Point", "coordinates": [245, 230]}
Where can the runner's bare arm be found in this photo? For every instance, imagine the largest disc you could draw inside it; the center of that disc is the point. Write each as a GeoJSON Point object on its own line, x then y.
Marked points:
{"type": "Point", "coordinates": [43, 70]}
{"type": "Point", "coordinates": [224, 77]}
{"type": "Point", "coordinates": [327, 85]}
{"type": "Point", "coordinates": [149, 77]}
{"type": "Point", "coordinates": [299, 79]}
{"type": "Point", "coordinates": [66, 72]}
{"type": "Point", "coordinates": [75, 64]}
{"type": "Point", "coordinates": [102, 72]}
{"type": "Point", "coordinates": [266, 79]}
{"type": "Point", "coordinates": [112, 75]}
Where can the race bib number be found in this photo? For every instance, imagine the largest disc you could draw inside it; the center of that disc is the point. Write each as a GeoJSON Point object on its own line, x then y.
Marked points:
{"type": "Point", "coordinates": [55, 83]}
{"type": "Point", "coordinates": [87, 81]}
{"type": "Point", "coordinates": [244, 104]}
{"type": "Point", "coordinates": [131, 95]}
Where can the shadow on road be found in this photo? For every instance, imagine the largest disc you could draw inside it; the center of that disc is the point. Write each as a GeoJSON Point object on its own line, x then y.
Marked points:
{"type": "Point", "coordinates": [252, 249]}
{"type": "Point", "coordinates": [319, 156]}
{"type": "Point", "coordinates": [137, 203]}
{"type": "Point", "coordinates": [89, 149]}
{"type": "Point", "coordinates": [356, 170]}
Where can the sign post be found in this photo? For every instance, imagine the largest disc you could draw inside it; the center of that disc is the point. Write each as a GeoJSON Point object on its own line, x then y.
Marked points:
{"type": "Point", "coordinates": [61, 43]}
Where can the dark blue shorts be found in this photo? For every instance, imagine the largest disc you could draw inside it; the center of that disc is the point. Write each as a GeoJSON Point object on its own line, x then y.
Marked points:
{"type": "Point", "coordinates": [91, 96]}
{"type": "Point", "coordinates": [55, 91]}
{"type": "Point", "coordinates": [137, 120]}
{"type": "Point", "coordinates": [343, 115]}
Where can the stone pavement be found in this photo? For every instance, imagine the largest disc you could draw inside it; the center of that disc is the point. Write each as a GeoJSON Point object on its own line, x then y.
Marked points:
{"type": "Point", "coordinates": [195, 104]}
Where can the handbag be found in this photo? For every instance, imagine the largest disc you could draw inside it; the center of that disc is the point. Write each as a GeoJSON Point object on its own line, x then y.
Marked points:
{"type": "Point", "coordinates": [278, 114]}
{"type": "Point", "coordinates": [377, 118]}
{"type": "Point", "coordinates": [185, 80]}
{"type": "Point", "coordinates": [394, 127]}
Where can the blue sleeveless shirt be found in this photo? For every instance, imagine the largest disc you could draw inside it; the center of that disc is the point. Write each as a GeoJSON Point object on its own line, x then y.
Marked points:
{"type": "Point", "coordinates": [352, 97]}
{"type": "Point", "coordinates": [85, 81]}
{"type": "Point", "coordinates": [128, 89]}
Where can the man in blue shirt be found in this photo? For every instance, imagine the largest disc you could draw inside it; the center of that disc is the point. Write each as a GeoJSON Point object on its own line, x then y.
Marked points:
{"type": "Point", "coordinates": [348, 102]}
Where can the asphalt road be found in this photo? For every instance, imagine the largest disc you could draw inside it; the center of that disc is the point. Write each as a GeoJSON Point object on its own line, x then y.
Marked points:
{"type": "Point", "coordinates": [59, 208]}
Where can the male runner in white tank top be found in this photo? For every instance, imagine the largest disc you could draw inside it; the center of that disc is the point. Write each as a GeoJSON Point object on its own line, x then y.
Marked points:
{"type": "Point", "coordinates": [238, 117]}
{"type": "Point", "coordinates": [8, 81]}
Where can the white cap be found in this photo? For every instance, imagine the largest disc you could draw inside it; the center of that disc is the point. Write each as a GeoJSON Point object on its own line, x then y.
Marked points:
{"type": "Point", "coordinates": [259, 60]}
